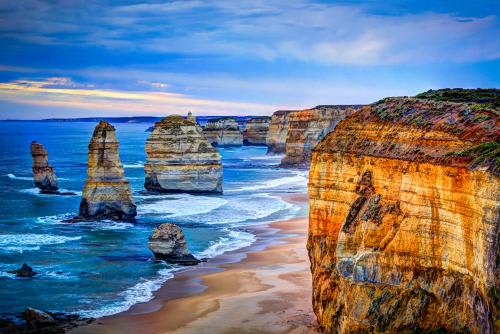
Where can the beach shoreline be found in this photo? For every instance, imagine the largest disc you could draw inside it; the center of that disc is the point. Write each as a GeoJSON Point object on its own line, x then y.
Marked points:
{"type": "Point", "coordinates": [262, 288]}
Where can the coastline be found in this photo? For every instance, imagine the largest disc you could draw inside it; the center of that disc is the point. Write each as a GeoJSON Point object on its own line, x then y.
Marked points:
{"type": "Point", "coordinates": [265, 287]}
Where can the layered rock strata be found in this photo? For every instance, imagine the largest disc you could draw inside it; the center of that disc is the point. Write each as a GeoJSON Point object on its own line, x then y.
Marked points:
{"type": "Point", "coordinates": [180, 159]}
{"type": "Point", "coordinates": [404, 219]}
{"type": "Point", "coordinates": [167, 243]}
{"type": "Point", "coordinates": [223, 132]}
{"type": "Point", "coordinates": [307, 127]}
{"type": "Point", "coordinates": [44, 175]}
{"type": "Point", "coordinates": [107, 193]}
{"type": "Point", "coordinates": [256, 130]}
{"type": "Point", "coordinates": [278, 131]}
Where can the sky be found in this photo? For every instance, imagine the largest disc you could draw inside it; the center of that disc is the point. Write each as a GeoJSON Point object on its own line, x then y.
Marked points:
{"type": "Point", "coordinates": [72, 58]}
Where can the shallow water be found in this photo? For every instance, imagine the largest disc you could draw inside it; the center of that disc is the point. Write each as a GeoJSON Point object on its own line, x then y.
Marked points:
{"type": "Point", "coordinates": [102, 268]}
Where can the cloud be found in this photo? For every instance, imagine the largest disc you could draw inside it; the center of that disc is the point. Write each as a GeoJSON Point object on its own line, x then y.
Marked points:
{"type": "Point", "coordinates": [55, 92]}
{"type": "Point", "coordinates": [273, 30]}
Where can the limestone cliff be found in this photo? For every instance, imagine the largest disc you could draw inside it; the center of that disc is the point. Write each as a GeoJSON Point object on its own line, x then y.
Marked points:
{"type": "Point", "coordinates": [106, 194]}
{"type": "Point", "coordinates": [180, 159]}
{"type": "Point", "coordinates": [223, 132]}
{"type": "Point", "coordinates": [404, 218]}
{"type": "Point", "coordinates": [307, 127]}
{"type": "Point", "coordinates": [44, 175]}
{"type": "Point", "coordinates": [278, 130]}
{"type": "Point", "coordinates": [256, 130]}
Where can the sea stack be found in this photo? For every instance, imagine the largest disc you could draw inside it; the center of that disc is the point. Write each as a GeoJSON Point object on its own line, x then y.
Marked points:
{"type": "Point", "coordinates": [404, 217]}
{"type": "Point", "coordinates": [107, 193]}
{"type": "Point", "coordinates": [223, 132]}
{"type": "Point", "coordinates": [307, 127]}
{"type": "Point", "coordinates": [278, 131]}
{"type": "Point", "coordinates": [180, 159]}
{"type": "Point", "coordinates": [167, 243]}
{"type": "Point", "coordinates": [256, 131]}
{"type": "Point", "coordinates": [44, 175]}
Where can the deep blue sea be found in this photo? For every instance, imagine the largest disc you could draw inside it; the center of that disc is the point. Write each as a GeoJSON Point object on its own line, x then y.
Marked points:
{"type": "Point", "coordinates": [101, 268]}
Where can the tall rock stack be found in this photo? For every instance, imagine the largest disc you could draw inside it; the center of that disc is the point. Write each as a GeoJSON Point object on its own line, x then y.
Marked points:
{"type": "Point", "coordinates": [404, 217]}
{"type": "Point", "coordinates": [44, 175]}
{"type": "Point", "coordinates": [223, 132]}
{"type": "Point", "coordinates": [278, 131]}
{"type": "Point", "coordinates": [256, 131]}
{"type": "Point", "coordinates": [180, 159]}
{"type": "Point", "coordinates": [106, 194]}
{"type": "Point", "coordinates": [307, 127]}
{"type": "Point", "coordinates": [190, 117]}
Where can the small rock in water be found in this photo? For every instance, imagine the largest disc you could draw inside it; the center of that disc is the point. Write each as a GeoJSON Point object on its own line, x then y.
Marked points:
{"type": "Point", "coordinates": [24, 271]}
{"type": "Point", "coordinates": [167, 243]}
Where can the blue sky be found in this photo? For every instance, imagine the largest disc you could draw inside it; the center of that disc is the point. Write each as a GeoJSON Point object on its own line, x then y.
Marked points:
{"type": "Point", "coordinates": [71, 58]}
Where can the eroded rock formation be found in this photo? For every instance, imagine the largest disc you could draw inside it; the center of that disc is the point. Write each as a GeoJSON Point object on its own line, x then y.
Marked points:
{"type": "Point", "coordinates": [404, 219]}
{"type": "Point", "coordinates": [256, 130]}
{"type": "Point", "coordinates": [223, 132]}
{"type": "Point", "coordinates": [180, 159]}
{"type": "Point", "coordinates": [167, 243]}
{"type": "Point", "coordinates": [107, 193]}
{"type": "Point", "coordinates": [44, 175]}
{"type": "Point", "coordinates": [278, 130]}
{"type": "Point", "coordinates": [307, 127]}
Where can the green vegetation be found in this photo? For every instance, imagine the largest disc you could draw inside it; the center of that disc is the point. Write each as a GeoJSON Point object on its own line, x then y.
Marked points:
{"type": "Point", "coordinates": [483, 154]}
{"type": "Point", "coordinates": [482, 98]}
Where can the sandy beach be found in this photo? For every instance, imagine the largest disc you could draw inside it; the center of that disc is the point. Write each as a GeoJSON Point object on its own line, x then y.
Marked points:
{"type": "Point", "coordinates": [264, 288]}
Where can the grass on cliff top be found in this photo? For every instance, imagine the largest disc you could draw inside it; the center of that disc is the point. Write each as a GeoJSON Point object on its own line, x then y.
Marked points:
{"type": "Point", "coordinates": [483, 154]}
{"type": "Point", "coordinates": [488, 98]}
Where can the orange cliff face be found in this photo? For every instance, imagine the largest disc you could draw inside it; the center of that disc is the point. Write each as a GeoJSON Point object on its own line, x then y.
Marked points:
{"type": "Point", "coordinates": [307, 127]}
{"type": "Point", "coordinates": [404, 219]}
{"type": "Point", "coordinates": [278, 130]}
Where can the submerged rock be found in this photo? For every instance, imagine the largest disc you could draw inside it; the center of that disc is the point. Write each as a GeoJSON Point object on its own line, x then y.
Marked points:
{"type": "Point", "coordinates": [180, 159]}
{"type": "Point", "coordinates": [223, 132]}
{"type": "Point", "coordinates": [107, 193]}
{"type": "Point", "coordinates": [256, 130]}
{"type": "Point", "coordinates": [167, 243]}
{"type": "Point", "coordinates": [44, 175]}
{"type": "Point", "coordinates": [404, 218]}
{"type": "Point", "coordinates": [24, 271]}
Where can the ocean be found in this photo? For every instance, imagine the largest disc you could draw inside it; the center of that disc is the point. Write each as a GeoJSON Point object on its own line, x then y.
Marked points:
{"type": "Point", "coordinates": [101, 268]}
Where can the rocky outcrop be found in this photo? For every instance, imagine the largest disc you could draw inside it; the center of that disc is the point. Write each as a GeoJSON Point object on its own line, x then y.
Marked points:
{"type": "Point", "coordinates": [24, 271]}
{"type": "Point", "coordinates": [256, 130]}
{"type": "Point", "coordinates": [404, 219]}
{"type": "Point", "coordinates": [107, 193]}
{"type": "Point", "coordinates": [278, 131]}
{"type": "Point", "coordinates": [180, 159]}
{"type": "Point", "coordinates": [191, 117]}
{"type": "Point", "coordinates": [44, 175]}
{"type": "Point", "coordinates": [167, 243]}
{"type": "Point", "coordinates": [307, 127]}
{"type": "Point", "coordinates": [223, 132]}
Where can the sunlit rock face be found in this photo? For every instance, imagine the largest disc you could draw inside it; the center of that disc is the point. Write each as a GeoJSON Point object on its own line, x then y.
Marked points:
{"type": "Point", "coordinates": [223, 132]}
{"type": "Point", "coordinates": [43, 174]}
{"type": "Point", "coordinates": [307, 127]}
{"type": "Point", "coordinates": [278, 130]}
{"type": "Point", "coordinates": [107, 193]}
{"type": "Point", "coordinates": [256, 130]}
{"type": "Point", "coordinates": [404, 219]}
{"type": "Point", "coordinates": [180, 159]}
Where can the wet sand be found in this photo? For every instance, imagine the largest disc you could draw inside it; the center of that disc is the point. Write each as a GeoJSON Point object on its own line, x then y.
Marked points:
{"type": "Point", "coordinates": [264, 288]}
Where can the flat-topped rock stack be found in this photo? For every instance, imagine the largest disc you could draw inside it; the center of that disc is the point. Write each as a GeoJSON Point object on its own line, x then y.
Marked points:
{"type": "Point", "coordinates": [107, 193]}
{"type": "Point", "coordinates": [307, 127]}
{"type": "Point", "coordinates": [404, 227]}
{"type": "Point", "coordinates": [256, 130]}
{"type": "Point", "coordinates": [43, 174]}
{"type": "Point", "coordinates": [223, 132]}
{"type": "Point", "coordinates": [278, 131]}
{"type": "Point", "coordinates": [180, 159]}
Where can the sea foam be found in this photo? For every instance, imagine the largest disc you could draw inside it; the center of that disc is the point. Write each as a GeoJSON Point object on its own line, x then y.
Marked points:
{"type": "Point", "coordinates": [30, 242]}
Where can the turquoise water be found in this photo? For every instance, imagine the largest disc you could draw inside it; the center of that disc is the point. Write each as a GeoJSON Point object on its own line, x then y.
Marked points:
{"type": "Point", "coordinates": [101, 268]}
